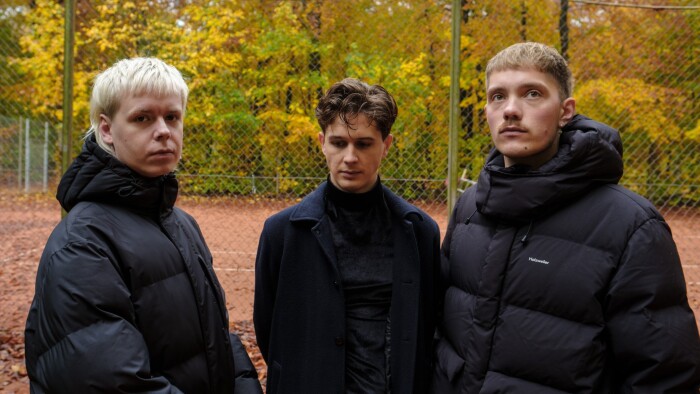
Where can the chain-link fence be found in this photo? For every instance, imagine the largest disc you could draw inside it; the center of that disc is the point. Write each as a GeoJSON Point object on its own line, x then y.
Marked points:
{"type": "Point", "coordinates": [257, 67]}
{"type": "Point", "coordinates": [28, 154]}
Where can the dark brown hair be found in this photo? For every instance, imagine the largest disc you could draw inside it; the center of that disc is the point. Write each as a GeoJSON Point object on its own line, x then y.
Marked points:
{"type": "Point", "coordinates": [350, 97]}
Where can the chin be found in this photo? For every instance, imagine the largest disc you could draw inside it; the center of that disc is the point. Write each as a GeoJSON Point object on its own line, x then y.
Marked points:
{"type": "Point", "coordinates": [347, 187]}
{"type": "Point", "coordinates": [156, 174]}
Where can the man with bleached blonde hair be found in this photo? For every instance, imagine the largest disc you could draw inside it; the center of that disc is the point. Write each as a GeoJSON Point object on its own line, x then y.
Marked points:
{"type": "Point", "coordinates": [126, 296]}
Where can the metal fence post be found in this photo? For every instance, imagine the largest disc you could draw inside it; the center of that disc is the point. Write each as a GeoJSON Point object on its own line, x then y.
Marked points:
{"type": "Point", "coordinates": [19, 155]}
{"type": "Point", "coordinates": [27, 155]}
{"type": "Point", "coordinates": [45, 180]}
{"type": "Point", "coordinates": [69, 38]}
{"type": "Point", "coordinates": [454, 104]}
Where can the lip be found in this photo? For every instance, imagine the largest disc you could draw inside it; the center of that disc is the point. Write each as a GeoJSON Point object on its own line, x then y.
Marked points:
{"type": "Point", "coordinates": [511, 129]}
{"type": "Point", "coordinates": [349, 173]}
{"type": "Point", "coordinates": [163, 153]}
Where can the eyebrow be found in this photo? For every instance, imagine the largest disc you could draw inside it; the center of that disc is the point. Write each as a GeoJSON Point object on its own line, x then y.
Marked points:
{"type": "Point", "coordinates": [345, 136]}
{"type": "Point", "coordinates": [526, 85]}
{"type": "Point", "coordinates": [147, 110]}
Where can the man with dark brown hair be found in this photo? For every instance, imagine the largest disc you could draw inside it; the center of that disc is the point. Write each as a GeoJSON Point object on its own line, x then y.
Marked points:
{"type": "Point", "coordinates": [344, 288]}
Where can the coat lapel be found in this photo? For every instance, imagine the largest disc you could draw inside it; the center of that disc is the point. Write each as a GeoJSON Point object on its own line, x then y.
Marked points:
{"type": "Point", "coordinates": [405, 306]}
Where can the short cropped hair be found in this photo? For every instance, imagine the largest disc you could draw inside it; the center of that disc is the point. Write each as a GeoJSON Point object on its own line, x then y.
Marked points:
{"type": "Point", "coordinates": [132, 78]}
{"type": "Point", "coordinates": [351, 97]}
{"type": "Point", "coordinates": [534, 55]}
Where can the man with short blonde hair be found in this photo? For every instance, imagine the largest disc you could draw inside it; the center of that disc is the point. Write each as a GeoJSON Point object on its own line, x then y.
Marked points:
{"type": "Point", "coordinates": [557, 279]}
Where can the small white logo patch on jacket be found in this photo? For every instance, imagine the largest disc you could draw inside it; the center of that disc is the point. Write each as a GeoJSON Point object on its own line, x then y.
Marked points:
{"type": "Point", "coordinates": [538, 260]}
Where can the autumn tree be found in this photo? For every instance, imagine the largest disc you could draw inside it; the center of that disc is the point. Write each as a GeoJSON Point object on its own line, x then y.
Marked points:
{"type": "Point", "coordinates": [653, 103]}
{"type": "Point", "coordinates": [257, 67]}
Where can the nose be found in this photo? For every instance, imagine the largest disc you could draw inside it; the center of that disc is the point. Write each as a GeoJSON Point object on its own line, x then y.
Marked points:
{"type": "Point", "coordinates": [162, 131]}
{"type": "Point", "coordinates": [350, 154]}
{"type": "Point", "coordinates": [511, 110]}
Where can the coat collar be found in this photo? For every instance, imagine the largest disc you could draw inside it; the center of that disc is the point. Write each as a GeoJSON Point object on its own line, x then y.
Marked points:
{"type": "Point", "coordinates": [312, 207]}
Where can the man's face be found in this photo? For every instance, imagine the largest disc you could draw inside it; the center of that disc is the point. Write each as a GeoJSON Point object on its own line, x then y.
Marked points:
{"type": "Point", "coordinates": [146, 133]}
{"type": "Point", "coordinates": [525, 113]}
{"type": "Point", "coordinates": [353, 153]}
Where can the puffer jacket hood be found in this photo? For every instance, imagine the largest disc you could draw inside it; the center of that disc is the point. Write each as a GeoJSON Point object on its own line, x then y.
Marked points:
{"type": "Point", "coordinates": [559, 280]}
{"type": "Point", "coordinates": [97, 176]}
{"type": "Point", "coordinates": [127, 298]}
{"type": "Point", "coordinates": [590, 153]}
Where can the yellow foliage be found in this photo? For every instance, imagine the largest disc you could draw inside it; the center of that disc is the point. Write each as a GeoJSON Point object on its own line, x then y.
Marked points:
{"type": "Point", "coordinates": [694, 134]}
{"type": "Point", "coordinates": [300, 127]}
{"type": "Point", "coordinates": [633, 106]}
{"type": "Point", "coordinates": [258, 66]}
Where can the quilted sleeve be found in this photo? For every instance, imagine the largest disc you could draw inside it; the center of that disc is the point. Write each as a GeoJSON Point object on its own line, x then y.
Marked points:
{"type": "Point", "coordinates": [652, 330]}
{"type": "Point", "coordinates": [81, 336]}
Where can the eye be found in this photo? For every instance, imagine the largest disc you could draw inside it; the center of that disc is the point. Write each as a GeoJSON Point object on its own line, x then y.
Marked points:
{"type": "Point", "coordinates": [140, 118]}
{"type": "Point", "coordinates": [338, 143]}
{"type": "Point", "coordinates": [363, 145]}
{"type": "Point", "coordinates": [497, 97]}
{"type": "Point", "coordinates": [172, 117]}
{"type": "Point", "coordinates": [533, 94]}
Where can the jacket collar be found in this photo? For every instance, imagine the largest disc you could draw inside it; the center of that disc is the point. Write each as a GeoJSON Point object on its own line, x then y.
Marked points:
{"type": "Point", "coordinates": [97, 176]}
{"type": "Point", "coordinates": [312, 207]}
{"type": "Point", "coordinates": [590, 154]}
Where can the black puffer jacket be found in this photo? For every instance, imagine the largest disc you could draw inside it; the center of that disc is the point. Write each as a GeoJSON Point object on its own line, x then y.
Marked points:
{"type": "Point", "coordinates": [558, 280]}
{"type": "Point", "coordinates": [126, 298]}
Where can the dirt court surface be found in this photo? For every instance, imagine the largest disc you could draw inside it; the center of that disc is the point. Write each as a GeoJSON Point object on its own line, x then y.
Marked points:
{"type": "Point", "coordinates": [231, 228]}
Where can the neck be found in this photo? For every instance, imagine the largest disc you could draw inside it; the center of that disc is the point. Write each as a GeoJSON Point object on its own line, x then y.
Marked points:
{"type": "Point", "coordinates": [354, 201]}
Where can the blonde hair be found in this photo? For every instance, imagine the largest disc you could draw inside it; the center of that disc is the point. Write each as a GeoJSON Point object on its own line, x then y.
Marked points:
{"type": "Point", "coordinates": [534, 55]}
{"type": "Point", "coordinates": [131, 78]}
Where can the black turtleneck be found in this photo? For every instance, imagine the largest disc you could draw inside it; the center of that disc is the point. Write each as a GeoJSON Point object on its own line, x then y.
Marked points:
{"type": "Point", "coordinates": [361, 226]}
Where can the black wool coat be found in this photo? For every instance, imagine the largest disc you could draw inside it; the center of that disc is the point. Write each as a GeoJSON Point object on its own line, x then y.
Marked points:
{"type": "Point", "coordinates": [560, 281]}
{"type": "Point", "coordinates": [299, 311]}
{"type": "Point", "coordinates": [126, 296]}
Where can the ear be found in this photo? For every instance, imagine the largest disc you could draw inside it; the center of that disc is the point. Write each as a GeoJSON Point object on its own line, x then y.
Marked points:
{"type": "Point", "coordinates": [105, 129]}
{"type": "Point", "coordinates": [568, 110]}
{"type": "Point", "coordinates": [387, 143]}
{"type": "Point", "coordinates": [321, 140]}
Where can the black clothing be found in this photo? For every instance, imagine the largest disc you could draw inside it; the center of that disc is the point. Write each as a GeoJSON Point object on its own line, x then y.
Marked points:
{"type": "Point", "coordinates": [299, 314]}
{"type": "Point", "coordinates": [361, 226]}
{"type": "Point", "coordinates": [126, 297]}
{"type": "Point", "coordinates": [559, 280]}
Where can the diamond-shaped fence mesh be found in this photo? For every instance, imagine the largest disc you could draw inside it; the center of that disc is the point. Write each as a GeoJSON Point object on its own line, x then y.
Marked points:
{"type": "Point", "coordinates": [256, 69]}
